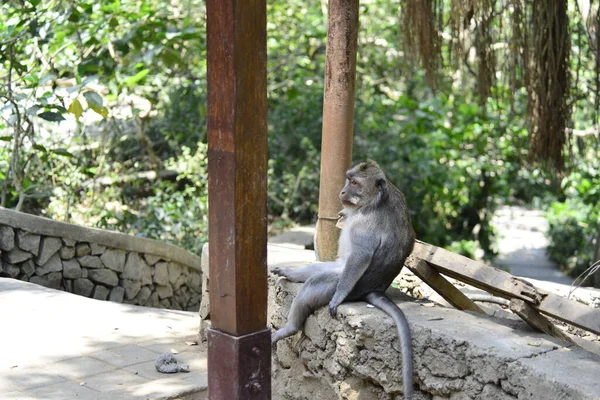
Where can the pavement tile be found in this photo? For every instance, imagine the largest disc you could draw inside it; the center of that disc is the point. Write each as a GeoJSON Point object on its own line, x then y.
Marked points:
{"type": "Point", "coordinates": [125, 355]}
{"type": "Point", "coordinates": [118, 380]}
{"type": "Point", "coordinates": [28, 378]}
{"type": "Point", "coordinates": [64, 391]}
{"type": "Point", "coordinates": [79, 367]}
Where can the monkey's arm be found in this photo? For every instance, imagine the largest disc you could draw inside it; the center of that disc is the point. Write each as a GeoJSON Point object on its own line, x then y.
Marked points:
{"type": "Point", "coordinates": [363, 249]}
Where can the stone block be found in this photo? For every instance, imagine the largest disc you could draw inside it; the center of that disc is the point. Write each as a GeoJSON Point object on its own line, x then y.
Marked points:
{"type": "Point", "coordinates": [71, 269]}
{"type": "Point", "coordinates": [175, 270]}
{"type": "Point", "coordinates": [52, 280]}
{"type": "Point", "coordinates": [104, 276]}
{"type": "Point", "coordinates": [29, 242]}
{"type": "Point", "coordinates": [117, 294]}
{"type": "Point", "coordinates": [181, 281]}
{"type": "Point", "coordinates": [16, 256]}
{"type": "Point", "coordinates": [7, 238]}
{"type": "Point", "coordinates": [133, 267]}
{"type": "Point", "coordinates": [68, 285]}
{"type": "Point", "coordinates": [90, 262]}
{"type": "Point", "coordinates": [146, 277]}
{"type": "Point", "coordinates": [165, 303]}
{"type": "Point", "coordinates": [161, 273]}
{"type": "Point", "coordinates": [195, 282]}
{"type": "Point", "coordinates": [54, 264]}
{"type": "Point", "coordinates": [83, 287]}
{"type": "Point", "coordinates": [48, 247]}
{"type": "Point", "coordinates": [28, 267]}
{"type": "Point", "coordinates": [152, 259]}
{"type": "Point", "coordinates": [100, 292]}
{"type": "Point", "coordinates": [114, 259]}
{"type": "Point", "coordinates": [153, 301]}
{"type": "Point", "coordinates": [67, 253]}
{"type": "Point", "coordinates": [97, 249]}
{"type": "Point", "coordinates": [12, 270]}
{"type": "Point", "coordinates": [164, 291]}
{"type": "Point", "coordinates": [132, 288]}
{"type": "Point", "coordinates": [143, 296]}
{"type": "Point", "coordinates": [69, 242]}
{"type": "Point", "coordinates": [83, 249]}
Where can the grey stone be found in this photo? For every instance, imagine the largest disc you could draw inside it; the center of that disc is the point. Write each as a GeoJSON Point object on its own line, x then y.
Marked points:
{"type": "Point", "coordinates": [54, 264]}
{"type": "Point", "coordinates": [28, 241]}
{"type": "Point", "coordinates": [114, 259]}
{"type": "Point", "coordinates": [67, 253]}
{"type": "Point", "coordinates": [84, 273]}
{"type": "Point", "coordinates": [161, 273]}
{"type": "Point", "coordinates": [17, 255]}
{"type": "Point", "coordinates": [143, 296]}
{"type": "Point", "coordinates": [83, 287]}
{"type": "Point", "coordinates": [152, 259]}
{"type": "Point", "coordinates": [204, 259]}
{"type": "Point", "coordinates": [69, 242]}
{"type": "Point", "coordinates": [133, 267]}
{"type": "Point", "coordinates": [7, 238]}
{"type": "Point", "coordinates": [165, 303]}
{"type": "Point", "coordinates": [97, 249]}
{"type": "Point", "coordinates": [12, 270]}
{"type": "Point", "coordinates": [116, 294]}
{"type": "Point", "coordinates": [68, 285]}
{"type": "Point", "coordinates": [131, 288]}
{"type": "Point", "coordinates": [83, 249]}
{"type": "Point", "coordinates": [167, 364]}
{"type": "Point", "coordinates": [182, 280]}
{"type": "Point", "coordinates": [146, 277]}
{"type": "Point", "coordinates": [48, 247]}
{"type": "Point", "coordinates": [90, 262]}
{"type": "Point", "coordinates": [100, 292]}
{"type": "Point", "coordinates": [153, 300]}
{"type": "Point", "coordinates": [28, 267]}
{"type": "Point", "coordinates": [52, 280]}
{"type": "Point", "coordinates": [72, 269]}
{"type": "Point", "coordinates": [174, 271]}
{"type": "Point", "coordinates": [164, 291]}
{"type": "Point", "coordinates": [104, 276]}
{"type": "Point", "coordinates": [195, 282]}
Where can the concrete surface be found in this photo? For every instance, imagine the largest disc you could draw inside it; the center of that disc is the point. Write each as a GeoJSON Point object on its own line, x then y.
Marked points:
{"type": "Point", "coordinates": [57, 345]}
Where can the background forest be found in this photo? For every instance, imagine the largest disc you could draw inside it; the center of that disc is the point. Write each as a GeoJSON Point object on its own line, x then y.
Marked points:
{"type": "Point", "coordinates": [103, 116]}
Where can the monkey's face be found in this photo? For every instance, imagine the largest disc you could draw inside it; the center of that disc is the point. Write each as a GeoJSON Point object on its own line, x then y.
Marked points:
{"type": "Point", "coordinates": [365, 185]}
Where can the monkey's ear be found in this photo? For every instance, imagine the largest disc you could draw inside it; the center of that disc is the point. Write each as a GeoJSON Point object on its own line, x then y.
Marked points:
{"type": "Point", "coordinates": [383, 194]}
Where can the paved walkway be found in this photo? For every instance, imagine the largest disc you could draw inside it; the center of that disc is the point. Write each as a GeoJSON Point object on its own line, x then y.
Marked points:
{"type": "Point", "coordinates": [56, 345]}
{"type": "Point", "coordinates": [522, 245]}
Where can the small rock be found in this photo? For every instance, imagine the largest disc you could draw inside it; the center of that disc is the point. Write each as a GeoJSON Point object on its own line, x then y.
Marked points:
{"type": "Point", "coordinates": [152, 259]}
{"type": "Point", "coordinates": [67, 253]}
{"type": "Point", "coordinates": [17, 255]}
{"type": "Point", "coordinates": [71, 269]}
{"type": "Point", "coordinates": [48, 247]}
{"type": "Point", "coordinates": [143, 296]}
{"type": "Point", "coordinates": [117, 294]}
{"type": "Point", "coordinates": [167, 364]}
{"type": "Point", "coordinates": [164, 291]}
{"type": "Point", "coordinates": [104, 276]}
{"type": "Point", "coordinates": [11, 270]}
{"type": "Point", "coordinates": [100, 292]}
{"type": "Point", "coordinates": [83, 287]}
{"type": "Point", "coordinates": [114, 259]}
{"type": "Point", "coordinates": [28, 267]}
{"type": "Point", "coordinates": [7, 238]}
{"type": "Point", "coordinates": [161, 273]}
{"type": "Point", "coordinates": [69, 242]}
{"type": "Point", "coordinates": [52, 280]}
{"type": "Point", "coordinates": [83, 249]}
{"type": "Point", "coordinates": [90, 262]}
{"type": "Point", "coordinates": [131, 288]}
{"type": "Point", "coordinates": [97, 249]}
{"type": "Point", "coordinates": [29, 242]}
{"type": "Point", "coordinates": [54, 264]}
{"type": "Point", "coordinates": [133, 267]}
{"type": "Point", "coordinates": [174, 271]}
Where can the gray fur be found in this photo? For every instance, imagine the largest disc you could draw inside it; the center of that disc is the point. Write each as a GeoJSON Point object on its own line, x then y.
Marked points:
{"type": "Point", "coordinates": [377, 237]}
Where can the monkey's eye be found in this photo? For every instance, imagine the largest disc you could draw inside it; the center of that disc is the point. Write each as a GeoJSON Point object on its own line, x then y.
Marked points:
{"type": "Point", "coordinates": [354, 182]}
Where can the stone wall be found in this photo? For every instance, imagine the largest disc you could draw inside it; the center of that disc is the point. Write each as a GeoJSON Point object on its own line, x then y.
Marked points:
{"type": "Point", "coordinates": [98, 264]}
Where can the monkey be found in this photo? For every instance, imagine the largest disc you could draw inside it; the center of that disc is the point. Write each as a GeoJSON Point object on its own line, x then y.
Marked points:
{"type": "Point", "coordinates": [376, 238]}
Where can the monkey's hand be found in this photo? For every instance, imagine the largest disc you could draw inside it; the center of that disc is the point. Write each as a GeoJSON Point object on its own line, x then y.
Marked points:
{"type": "Point", "coordinates": [333, 306]}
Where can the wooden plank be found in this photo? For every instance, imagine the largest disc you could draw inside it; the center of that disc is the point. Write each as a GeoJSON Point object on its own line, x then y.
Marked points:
{"type": "Point", "coordinates": [237, 162]}
{"type": "Point", "coordinates": [536, 320]}
{"type": "Point", "coordinates": [441, 285]}
{"type": "Point", "coordinates": [338, 120]}
{"type": "Point", "coordinates": [503, 284]}
{"type": "Point", "coordinates": [492, 280]}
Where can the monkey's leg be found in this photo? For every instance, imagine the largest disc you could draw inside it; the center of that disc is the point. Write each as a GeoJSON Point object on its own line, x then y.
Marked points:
{"type": "Point", "coordinates": [303, 273]}
{"type": "Point", "coordinates": [381, 301]}
{"type": "Point", "coordinates": [316, 292]}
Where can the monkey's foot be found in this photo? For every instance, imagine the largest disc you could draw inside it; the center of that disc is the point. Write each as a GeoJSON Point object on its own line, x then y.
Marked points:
{"type": "Point", "coordinates": [282, 333]}
{"type": "Point", "coordinates": [291, 274]}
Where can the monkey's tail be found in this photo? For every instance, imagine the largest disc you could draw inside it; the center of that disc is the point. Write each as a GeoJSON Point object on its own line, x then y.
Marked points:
{"type": "Point", "coordinates": [381, 301]}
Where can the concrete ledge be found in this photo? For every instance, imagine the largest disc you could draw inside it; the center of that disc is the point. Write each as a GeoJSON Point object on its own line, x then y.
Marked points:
{"type": "Point", "coordinates": [458, 355]}
{"type": "Point", "coordinates": [45, 226]}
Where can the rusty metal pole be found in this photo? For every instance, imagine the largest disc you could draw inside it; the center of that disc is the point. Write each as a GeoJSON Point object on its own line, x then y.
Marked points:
{"type": "Point", "coordinates": [239, 343]}
{"type": "Point", "coordinates": [338, 119]}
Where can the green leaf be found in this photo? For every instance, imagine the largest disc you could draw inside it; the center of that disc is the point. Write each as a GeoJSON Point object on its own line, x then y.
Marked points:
{"type": "Point", "coordinates": [76, 109]}
{"type": "Point", "coordinates": [99, 110]}
{"type": "Point", "coordinates": [93, 99]}
{"type": "Point", "coordinates": [132, 80]}
{"type": "Point", "coordinates": [39, 147]}
{"type": "Point", "coordinates": [5, 138]}
{"type": "Point", "coordinates": [51, 116]}
{"type": "Point", "coordinates": [62, 152]}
